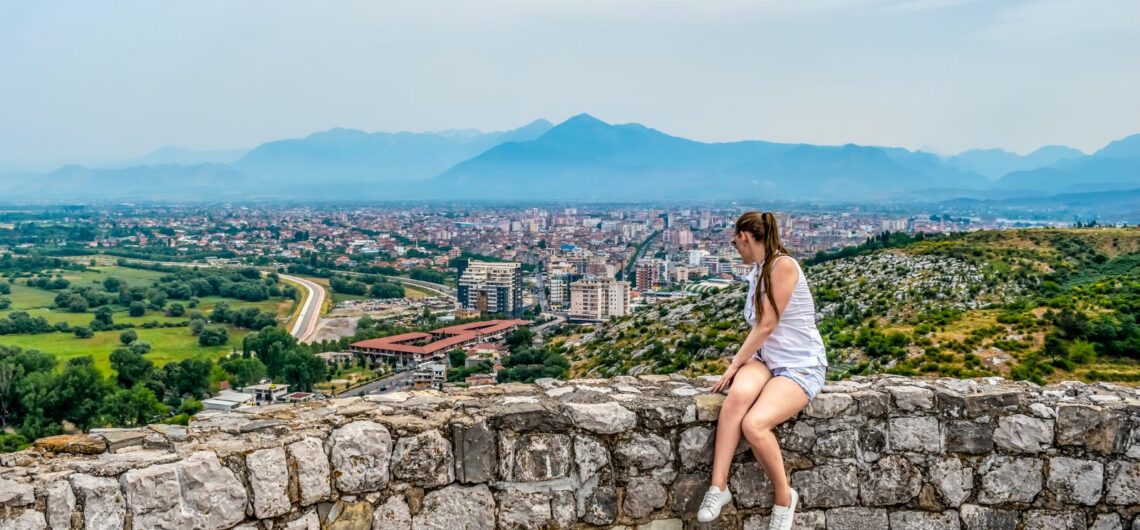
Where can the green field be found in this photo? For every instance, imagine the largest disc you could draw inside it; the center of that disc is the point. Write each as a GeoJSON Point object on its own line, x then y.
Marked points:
{"type": "Point", "coordinates": [168, 344]}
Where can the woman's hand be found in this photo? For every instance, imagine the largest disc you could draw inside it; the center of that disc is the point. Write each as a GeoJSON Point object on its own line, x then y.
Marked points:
{"type": "Point", "coordinates": [725, 380]}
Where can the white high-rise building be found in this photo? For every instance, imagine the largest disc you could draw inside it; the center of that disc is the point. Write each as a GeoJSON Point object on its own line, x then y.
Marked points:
{"type": "Point", "coordinates": [598, 299]}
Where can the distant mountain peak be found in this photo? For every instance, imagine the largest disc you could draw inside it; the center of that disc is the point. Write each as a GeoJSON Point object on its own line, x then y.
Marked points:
{"type": "Point", "coordinates": [1129, 146]}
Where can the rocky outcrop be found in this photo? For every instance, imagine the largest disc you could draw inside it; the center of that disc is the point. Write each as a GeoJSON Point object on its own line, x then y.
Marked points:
{"type": "Point", "coordinates": [882, 452]}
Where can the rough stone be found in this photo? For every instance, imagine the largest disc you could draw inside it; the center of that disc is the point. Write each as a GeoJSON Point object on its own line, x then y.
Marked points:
{"type": "Point", "coordinates": [976, 517]}
{"type": "Point", "coordinates": [269, 482]}
{"type": "Point", "coordinates": [1076, 481]}
{"type": "Point", "coordinates": [198, 492]}
{"type": "Point", "coordinates": [828, 405]}
{"type": "Point", "coordinates": [360, 453]}
{"type": "Point", "coordinates": [457, 507]}
{"type": "Point", "coordinates": [688, 490]}
{"type": "Point", "coordinates": [103, 505]}
{"type": "Point", "coordinates": [534, 457]}
{"type": "Point", "coordinates": [1051, 520]}
{"type": "Point", "coordinates": [424, 459]}
{"type": "Point", "coordinates": [308, 521]}
{"type": "Point", "coordinates": [952, 480]}
{"type": "Point", "coordinates": [392, 515]}
{"type": "Point", "coordinates": [1011, 479]}
{"type": "Point", "coordinates": [1123, 483]}
{"type": "Point", "coordinates": [644, 451]}
{"type": "Point", "coordinates": [311, 467]}
{"type": "Point", "coordinates": [871, 403]}
{"type": "Point", "coordinates": [25, 520]}
{"type": "Point", "coordinates": [708, 406]}
{"type": "Point", "coordinates": [914, 434]}
{"type": "Point", "coordinates": [598, 505]}
{"type": "Point", "coordinates": [838, 444]}
{"type": "Point", "coordinates": [908, 520]}
{"type": "Point", "coordinates": [518, 510]}
{"type": "Point", "coordinates": [978, 404]}
{"type": "Point", "coordinates": [911, 398]}
{"type": "Point", "coordinates": [855, 518]}
{"type": "Point", "coordinates": [969, 437]}
{"type": "Point", "coordinates": [590, 456]}
{"type": "Point", "coordinates": [476, 453]}
{"type": "Point", "coordinates": [827, 486]}
{"type": "Point", "coordinates": [60, 504]}
{"type": "Point", "coordinates": [695, 447]}
{"type": "Point", "coordinates": [603, 418]}
{"type": "Point", "coordinates": [76, 444]}
{"type": "Point", "coordinates": [642, 497]}
{"type": "Point", "coordinates": [892, 480]}
{"type": "Point", "coordinates": [349, 516]}
{"type": "Point", "coordinates": [1098, 429]}
{"type": "Point", "coordinates": [1107, 521]}
{"type": "Point", "coordinates": [796, 436]}
{"type": "Point", "coordinates": [1023, 434]}
{"type": "Point", "coordinates": [564, 508]}
{"type": "Point", "coordinates": [13, 493]}
{"type": "Point", "coordinates": [749, 486]}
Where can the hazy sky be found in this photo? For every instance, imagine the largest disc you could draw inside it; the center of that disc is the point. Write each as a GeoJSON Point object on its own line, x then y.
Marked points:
{"type": "Point", "coordinates": [100, 80]}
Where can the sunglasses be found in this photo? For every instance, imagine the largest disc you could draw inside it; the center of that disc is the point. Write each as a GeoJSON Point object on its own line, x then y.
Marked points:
{"type": "Point", "coordinates": [734, 245]}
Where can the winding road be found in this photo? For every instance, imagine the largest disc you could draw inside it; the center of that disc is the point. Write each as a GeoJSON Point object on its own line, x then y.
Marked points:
{"type": "Point", "coordinates": [311, 310]}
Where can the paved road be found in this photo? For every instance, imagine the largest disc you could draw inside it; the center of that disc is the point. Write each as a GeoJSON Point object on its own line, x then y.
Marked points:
{"type": "Point", "coordinates": [391, 383]}
{"type": "Point", "coordinates": [311, 312]}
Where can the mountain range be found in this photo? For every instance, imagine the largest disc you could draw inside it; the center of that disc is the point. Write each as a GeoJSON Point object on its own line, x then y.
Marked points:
{"type": "Point", "coordinates": [584, 159]}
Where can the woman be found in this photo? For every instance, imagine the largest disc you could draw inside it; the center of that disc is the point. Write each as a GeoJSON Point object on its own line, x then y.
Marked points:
{"type": "Point", "coordinates": [778, 369]}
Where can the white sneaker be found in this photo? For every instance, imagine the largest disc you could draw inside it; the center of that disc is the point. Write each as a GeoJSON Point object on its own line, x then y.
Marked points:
{"type": "Point", "coordinates": [715, 499]}
{"type": "Point", "coordinates": [782, 515]}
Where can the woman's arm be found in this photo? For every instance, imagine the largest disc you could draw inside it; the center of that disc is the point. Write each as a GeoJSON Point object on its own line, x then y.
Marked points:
{"type": "Point", "coordinates": [784, 277]}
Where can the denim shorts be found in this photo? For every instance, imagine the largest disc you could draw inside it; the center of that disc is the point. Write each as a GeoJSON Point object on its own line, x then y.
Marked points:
{"type": "Point", "coordinates": [810, 378]}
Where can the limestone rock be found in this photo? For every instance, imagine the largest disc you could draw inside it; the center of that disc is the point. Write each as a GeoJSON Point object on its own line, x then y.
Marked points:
{"type": "Point", "coordinates": [914, 434]}
{"type": "Point", "coordinates": [424, 460]}
{"type": "Point", "coordinates": [1123, 483]}
{"type": "Point", "coordinates": [838, 444]}
{"type": "Point", "coordinates": [695, 447]}
{"type": "Point", "coordinates": [349, 516]}
{"type": "Point", "coordinates": [893, 480]}
{"type": "Point", "coordinates": [392, 515]}
{"type": "Point", "coordinates": [912, 398]}
{"type": "Point", "coordinates": [642, 497]}
{"type": "Point", "coordinates": [476, 453]}
{"type": "Point", "coordinates": [749, 486]}
{"type": "Point", "coordinates": [976, 517]}
{"type": "Point", "coordinates": [457, 507]}
{"type": "Point", "coordinates": [970, 437]}
{"type": "Point", "coordinates": [827, 486]}
{"type": "Point", "coordinates": [360, 453]}
{"type": "Point", "coordinates": [13, 493]}
{"type": "Point", "coordinates": [1076, 481]}
{"type": "Point", "coordinates": [60, 504]}
{"type": "Point", "coordinates": [828, 405]}
{"type": "Point", "coordinates": [855, 518]}
{"type": "Point", "coordinates": [908, 520]}
{"type": "Point", "coordinates": [269, 482]}
{"type": "Point", "coordinates": [1107, 521]}
{"type": "Point", "coordinates": [198, 492]}
{"type": "Point", "coordinates": [1101, 430]}
{"type": "Point", "coordinates": [644, 451]}
{"type": "Point", "coordinates": [1023, 434]}
{"type": "Point", "coordinates": [534, 457]}
{"type": "Point", "coordinates": [311, 466]}
{"type": "Point", "coordinates": [590, 456]}
{"type": "Point", "coordinates": [103, 504]}
{"type": "Point", "coordinates": [952, 480]}
{"type": "Point", "coordinates": [26, 520]}
{"type": "Point", "coordinates": [76, 444]}
{"type": "Point", "coordinates": [1051, 520]}
{"type": "Point", "coordinates": [519, 510]}
{"type": "Point", "coordinates": [603, 418]}
{"type": "Point", "coordinates": [1011, 479]}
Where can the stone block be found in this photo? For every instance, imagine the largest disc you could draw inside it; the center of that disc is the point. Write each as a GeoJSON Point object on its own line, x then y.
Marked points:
{"type": "Point", "coordinates": [1010, 480]}
{"type": "Point", "coordinates": [360, 453]}
{"type": "Point", "coordinates": [911, 520]}
{"type": "Point", "coordinates": [1022, 434]}
{"type": "Point", "coordinates": [1099, 429]}
{"type": "Point", "coordinates": [914, 434]}
{"type": "Point", "coordinates": [643, 451]}
{"type": "Point", "coordinates": [856, 518]}
{"type": "Point", "coordinates": [425, 459]}
{"type": "Point", "coordinates": [534, 457]}
{"type": "Point", "coordinates": [643, 496]}
{"type": "Point", "coordinates": [269, 482]}
{"type": "Point", "coordinates": [911, 398]}
{"type": "Point", "coordinates": [476, 453]}
{"type": "Point", "coordinates": [519, 510]}
{"type": "Point", "coordinates": [976, 517]}
{"type": "Point", "coordinates": [975, 405]}
{"type": "Point", "coordinates": [892, 480]}
{"type": "Point", "coordinates": [969, 437]}
{"type": "Point", "coordinates": [457, 507]}
{"type": "Point", "coordinates": [602, 418]}
{"type": "Point", "coordinates": [828, 405]}
{"type": "Point", "coordinates": [749, 486]}
{"type": "Point", "coordinates": [827, 486]}
{"type": "Point", "coordinates": [311, 466]}
{"type": "Point", "coordinates": [872, 403]}
{"type": "Point", "coordinates": [1075, 481]}
{"type": "Point", "coordinates": [393, 514]}
{"type": "Point", "coordinates": [1123, 483]}
{"type": "Point", "coordinates": [1051, 520]}
{"type": "Point", "coordinates": [952, 480]}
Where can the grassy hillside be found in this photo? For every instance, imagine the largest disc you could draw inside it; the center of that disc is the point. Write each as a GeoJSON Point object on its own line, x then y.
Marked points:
{"type": "Point", "coordinates": [1043, 304]}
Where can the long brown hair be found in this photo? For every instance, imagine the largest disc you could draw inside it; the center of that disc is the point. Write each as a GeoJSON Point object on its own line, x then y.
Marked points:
{"type": "Point", "coordinates": [763, 227]}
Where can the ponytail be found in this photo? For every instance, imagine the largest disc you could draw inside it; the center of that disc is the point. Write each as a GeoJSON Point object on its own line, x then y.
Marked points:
{"type": "Point", "coordinates": [765, 230]}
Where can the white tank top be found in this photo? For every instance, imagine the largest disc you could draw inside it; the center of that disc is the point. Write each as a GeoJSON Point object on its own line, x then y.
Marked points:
{"type": "Point", "coordinates": [795, 342]}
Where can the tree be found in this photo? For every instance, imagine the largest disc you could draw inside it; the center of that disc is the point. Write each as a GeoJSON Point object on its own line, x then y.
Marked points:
{"type": "Point", "coordinates": [77, 304]}
{"type": "Point", "coordinates": [301, 369]}
{"type": "Point", "coordinates": [112, 284]}
{"type": "Point", "coordinates": [134, 407]}
{"type": "Point", "coordinates": [270, 344]}
{"type": "Point", "coordinates": [84, 332]}
{"type": "Point", "coordinates": [137, 309]}
{"type": "Point", "coordinates": [188, 376]}
{"type": "Point", "coordinates": [456, 358]}
{"type": "Point", "coordinates": [80, 391]}
{"type": "Point", "coordinates": [128, 336]}
{"type": "Point", "coordinates": [103, 319]}
{"type": "Point", "coordinates": [213, 336]}
{"type": "Point", "coordinates": [196, 326]}
{"type": "Point", "coordinates": [131, 367]}
{"type": "Point", "coordinates": [140, 346]}
{"type": "Point", "coordinates": [5, 302]}
{"type": "Point", "coordinates": [175, 310]}
{"type": "Point", "coordinates": [244, 371]}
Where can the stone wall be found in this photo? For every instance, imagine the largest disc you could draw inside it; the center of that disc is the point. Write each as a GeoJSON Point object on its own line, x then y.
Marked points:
{"type": "Point", "coordinates": [881, 452]}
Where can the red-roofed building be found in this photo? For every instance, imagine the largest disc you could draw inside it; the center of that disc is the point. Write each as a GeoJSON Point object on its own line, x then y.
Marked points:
{"type": "Point", "coordinates": [415, 348]}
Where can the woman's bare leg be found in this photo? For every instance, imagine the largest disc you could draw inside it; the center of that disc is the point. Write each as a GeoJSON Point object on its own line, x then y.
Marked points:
{"type": "Point", "coordinates": [780, 399]}
{"type": "Point", "coordinates": [742, 393]}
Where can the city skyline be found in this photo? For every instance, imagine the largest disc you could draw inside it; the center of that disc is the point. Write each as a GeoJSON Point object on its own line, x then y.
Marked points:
{"type": "Point", "coordinates": [944, 76]}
